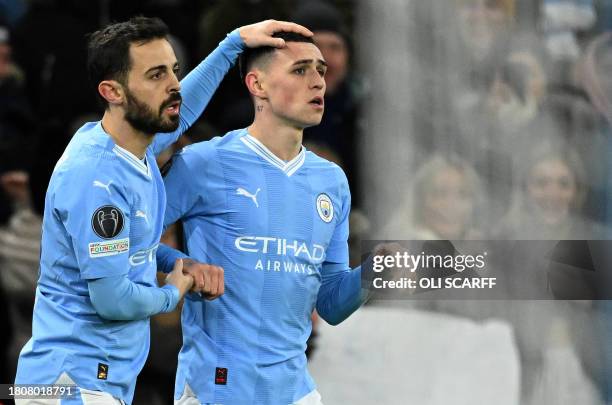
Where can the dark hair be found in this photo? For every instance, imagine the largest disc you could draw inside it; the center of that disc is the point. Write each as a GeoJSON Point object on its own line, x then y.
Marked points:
{"type": "Point", "coordinates": [108, 50]}
{"type": "Point", "coordinates": [250, 56]}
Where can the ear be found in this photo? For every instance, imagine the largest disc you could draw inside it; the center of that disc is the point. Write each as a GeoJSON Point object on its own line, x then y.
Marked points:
{"type": "Point", "coordinates": [111, 91]}
{"type": "Point", "coordinates": [254, 81]}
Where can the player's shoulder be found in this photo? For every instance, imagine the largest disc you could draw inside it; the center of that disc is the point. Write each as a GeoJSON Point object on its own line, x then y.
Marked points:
{"type": "Point", "coordinates": [205, 151]}
{"type": "Point", "coordinates": [324, 167]}
{"type": "Point", "coordinates": [88, 155]}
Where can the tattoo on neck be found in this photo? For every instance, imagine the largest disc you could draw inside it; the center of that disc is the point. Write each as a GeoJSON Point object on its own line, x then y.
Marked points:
{"type": "Point", "coordinates": [260, 108]}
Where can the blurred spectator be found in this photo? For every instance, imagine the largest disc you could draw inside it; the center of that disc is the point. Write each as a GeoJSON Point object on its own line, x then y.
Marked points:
{"type": "Point", "coordinates": [483, 25]}
{"type": "Point", "coordinates": [338, 129]}
{"type": "Point", "coordinates": [498, 126]}
{"type": "Point", "coordinates": [446, 201]}
{"type": "Point", "coordinates": [569, 115]}
{"type": "Point", "coordinates": [484, 29]}
{"type": "Point", "coordinates": [19, 230]}
{"type": "Point", "coordinates": [550, 196]}
{"type": "Point", "coordinates": [19, 254]}
{"type": "Point", "coordinates": [16, 119]}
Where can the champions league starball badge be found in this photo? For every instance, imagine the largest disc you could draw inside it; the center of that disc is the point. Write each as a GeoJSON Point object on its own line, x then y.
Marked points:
{"type": "Point", "coordinates": [107, 221]}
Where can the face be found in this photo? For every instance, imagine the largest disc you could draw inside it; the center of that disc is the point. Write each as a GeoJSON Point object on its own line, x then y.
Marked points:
{"type": "Point", "coordinates": [152, 97]}
{"type": "Point", "coordinates": [552, 188]}
{"type": "Point", "coordinates": [335, 52]}
{"type": "Point", "coordinates": [448, 204]}
{"type": "Point", "coordinates": [294, 85]}
{"type": "Point", "coordinates": [480, 21]}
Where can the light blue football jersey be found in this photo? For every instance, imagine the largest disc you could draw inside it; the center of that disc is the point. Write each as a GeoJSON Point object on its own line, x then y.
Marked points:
{"type": "Point", "coordinates": [103, 216]}
{"type": "Point", "coordinates": [277, 228]}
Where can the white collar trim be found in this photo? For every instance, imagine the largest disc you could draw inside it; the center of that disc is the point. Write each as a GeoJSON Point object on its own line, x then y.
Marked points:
{"type": "Point", "coordinates": [289, 168]}
{"type": "Point", "coordinates": [141, 166]}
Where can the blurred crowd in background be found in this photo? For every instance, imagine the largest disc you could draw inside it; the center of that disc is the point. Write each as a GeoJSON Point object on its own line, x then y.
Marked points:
{"type": "Point", "coordinates": [453, 119]}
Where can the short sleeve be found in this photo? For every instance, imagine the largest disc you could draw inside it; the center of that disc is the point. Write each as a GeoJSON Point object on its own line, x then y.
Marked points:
{"type": "Point", "coordinates": [95, 212]}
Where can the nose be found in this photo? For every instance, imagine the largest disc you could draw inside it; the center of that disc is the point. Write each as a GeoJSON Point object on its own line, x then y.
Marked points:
{"type": "Point", "coordinates": [175, 84]}
{"type": "Point", "coordinates": [318, 82]}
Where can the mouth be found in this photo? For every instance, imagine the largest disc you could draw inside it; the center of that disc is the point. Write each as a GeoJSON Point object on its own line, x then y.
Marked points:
{"type": "Point", "coordinates": [173, 108]}
{"type": "Point", "coordinates": [317, 102]}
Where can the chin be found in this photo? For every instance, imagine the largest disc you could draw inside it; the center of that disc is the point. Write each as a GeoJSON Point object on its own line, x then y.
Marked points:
{"type": "Point", "coordinates": [170, 126]}
{"type": "Point", "coordinates": [312, 123]}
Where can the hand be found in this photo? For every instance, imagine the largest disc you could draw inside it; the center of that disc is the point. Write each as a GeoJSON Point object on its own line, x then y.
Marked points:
{"type": "Point", "coordinates": [260, 34]}
{"type": "Point", "coordinates": [208, 279]}
{"type": "Point", "coordinates": [388, 249]}
{"type": "Point", "coordinates": [178, 279]}
{"type": "Point", "coordinates": [397, 270]}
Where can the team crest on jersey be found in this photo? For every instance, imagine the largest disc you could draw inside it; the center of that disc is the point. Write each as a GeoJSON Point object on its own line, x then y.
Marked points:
{"type": "Point", "coordinates": [107, 221]}
{"type": "Point", "coordinates": [325, 208]}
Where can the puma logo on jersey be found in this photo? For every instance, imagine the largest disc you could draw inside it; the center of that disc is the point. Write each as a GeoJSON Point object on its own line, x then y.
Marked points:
{"type": "Point", "coordinates": [142, 214]}
{"type": "Point", "coordinates": [98, 183]}
{"type": "Point", "coordinates": [242, 191]}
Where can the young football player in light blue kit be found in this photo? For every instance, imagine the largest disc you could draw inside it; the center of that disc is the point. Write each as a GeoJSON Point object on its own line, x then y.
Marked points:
{"type": "Point", "coordinates": [275, 217]}
{"type": "Point", "coordinates": [104, 211]}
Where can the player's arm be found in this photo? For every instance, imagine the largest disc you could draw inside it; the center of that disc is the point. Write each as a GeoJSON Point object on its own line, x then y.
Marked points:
{"type": "Point", "coordinates": [117, 298]}
{"type": "Point", "coordinates": [198, 87]}
{"type": "Point", "coordinates": [166, 258]}
{"type": "Point", "coordinates": [98, 222]}
{"type": "Point", "coordinates": [208, 280]}
{"type": "Point", "coordinates": [340, 294]}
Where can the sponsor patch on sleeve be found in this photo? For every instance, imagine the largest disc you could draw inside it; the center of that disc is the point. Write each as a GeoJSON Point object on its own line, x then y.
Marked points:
{"type": "Point", "coordinates": [109, 247]}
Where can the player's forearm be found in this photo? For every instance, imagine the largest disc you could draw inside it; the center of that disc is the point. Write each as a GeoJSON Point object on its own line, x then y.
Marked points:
{"type": "Point", "coordinates": [119, 299]}
{"type": "Point", "coordinates": [340, 295]}
{"type": "Point", "coordinates": [198, 87]}
{"type": "Point", "coordinates": [166, 257]}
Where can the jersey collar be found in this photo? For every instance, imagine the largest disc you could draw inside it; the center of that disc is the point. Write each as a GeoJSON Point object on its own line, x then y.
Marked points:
{"type": "Point", "coordinates": [288, 168]}
{"type": "Point", "coordinates": [142, 167]}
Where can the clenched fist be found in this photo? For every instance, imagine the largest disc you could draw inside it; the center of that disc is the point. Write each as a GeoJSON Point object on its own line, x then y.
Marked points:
{"type": "Point", "coordinates": [207, 279]}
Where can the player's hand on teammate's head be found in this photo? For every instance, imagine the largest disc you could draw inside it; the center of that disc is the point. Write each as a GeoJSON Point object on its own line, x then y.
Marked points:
{"type": "Point", "coordinates": [177, 278]}
{"type": "Point", "coordinates": [260, 34]}
{"type": "Point", "coordinates": [208, 279]}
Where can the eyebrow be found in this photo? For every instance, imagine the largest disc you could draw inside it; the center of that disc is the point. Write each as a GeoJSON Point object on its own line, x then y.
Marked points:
{"type": "Point", "coordinates": [161, 67]}
{"type": "Point", "coordinates": [309, 61]}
